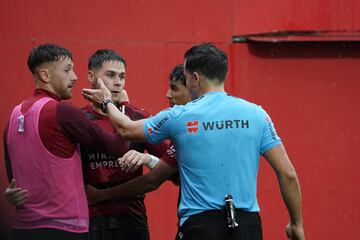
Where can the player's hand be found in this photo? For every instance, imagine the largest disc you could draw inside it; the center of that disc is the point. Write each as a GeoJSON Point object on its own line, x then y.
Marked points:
{"type": "Point", "coordinates": [16, 196]}
{"type": "Point", "coordinates": [123, 97]}
{"type": "Point", "coordinates": [132, 160]}
{"type": "Point", "coordinates": [96, 96]}
{"type": "Point", "coordinates": [93, 194]}
{"type": "Point", "coordinates": [295, 232]}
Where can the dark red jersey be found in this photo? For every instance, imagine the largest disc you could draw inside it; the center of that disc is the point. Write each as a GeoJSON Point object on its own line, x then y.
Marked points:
{"type": "Point", "coordinates": [103, 171]}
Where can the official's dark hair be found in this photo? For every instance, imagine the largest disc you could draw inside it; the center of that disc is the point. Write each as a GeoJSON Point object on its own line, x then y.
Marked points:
{"type": "Point", "coordinates": [104, 55]}
{"type": "Point", "coordinates": [46, 53]}
{"type": "Point", "coordinates": [177, 74]}
{"type": "Point", "coordinates": [208, 60]}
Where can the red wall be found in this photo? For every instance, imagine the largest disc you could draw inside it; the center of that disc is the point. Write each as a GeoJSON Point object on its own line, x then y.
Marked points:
{"type": "Point", "coordinates": [311, 91]}
{"type": "Point", "coordinates": [295, 15]}
{"type": "Point", "coordinates": [308, 88]}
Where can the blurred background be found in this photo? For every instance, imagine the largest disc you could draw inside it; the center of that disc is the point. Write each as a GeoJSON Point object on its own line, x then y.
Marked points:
{"type": "Point", "coordinates": [298, 59]}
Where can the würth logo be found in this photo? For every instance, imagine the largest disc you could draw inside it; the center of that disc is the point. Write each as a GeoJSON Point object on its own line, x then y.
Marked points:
{"type": "Point", "coordinates": [192, 126]}
{"type": "Point", "coordinates": [150, 131]}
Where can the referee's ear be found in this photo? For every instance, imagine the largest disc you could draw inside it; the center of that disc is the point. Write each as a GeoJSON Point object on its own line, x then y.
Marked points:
{"type": "Point", "coordinates": [196, 80]}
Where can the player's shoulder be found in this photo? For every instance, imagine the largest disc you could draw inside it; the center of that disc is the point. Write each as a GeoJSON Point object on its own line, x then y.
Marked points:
{"type": "Point", "coordinates": [135, 113]}
{"type": "Point", "coordinates": [66, 108]}
{"type": "Point", "coordinates": [64, 104]}
{"type": "Point", "coordinates": [86, 109]}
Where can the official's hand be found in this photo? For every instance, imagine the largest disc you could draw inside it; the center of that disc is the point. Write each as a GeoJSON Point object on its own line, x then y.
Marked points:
{"type": "Point", "coordinates": [96, 96]}
{"type": "Point", "coordinates": [132, 160]}
{"type": "Point", "coordinates": [93, 194]}
{"type": "Point", "coordinates": [295, 232]}
{"type": "Point", "coordinates": [16, 196]}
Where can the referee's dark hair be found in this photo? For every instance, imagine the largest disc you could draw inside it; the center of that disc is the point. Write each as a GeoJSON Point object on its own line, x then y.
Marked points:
{"type": "Point", "coordinates": [208, 60]}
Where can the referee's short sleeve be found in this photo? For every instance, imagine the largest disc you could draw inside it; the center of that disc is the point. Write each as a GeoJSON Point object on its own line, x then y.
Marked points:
{"type": "Point", "coordinates": [270, 137]}
{"type": "Point", "coordinates": [158, 127]}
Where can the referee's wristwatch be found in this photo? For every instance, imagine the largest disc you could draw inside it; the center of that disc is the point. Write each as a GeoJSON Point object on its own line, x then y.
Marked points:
{"type": "Point", "coordinates": [104, 103]}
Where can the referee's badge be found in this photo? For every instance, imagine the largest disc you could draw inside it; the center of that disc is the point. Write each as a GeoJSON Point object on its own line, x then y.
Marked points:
{"type": "Point", "coordinates": [192, 126]}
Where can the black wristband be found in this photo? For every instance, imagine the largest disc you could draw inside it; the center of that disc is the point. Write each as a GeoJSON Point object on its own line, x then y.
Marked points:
{"type": "Point", "coordinates": [104, 104]}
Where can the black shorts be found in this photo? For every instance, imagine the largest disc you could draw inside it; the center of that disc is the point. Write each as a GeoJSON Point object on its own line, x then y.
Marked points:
{"type": "Point", "coordinates": [211, 225]}
{"type": "Point", "coordinates": [118, 227]}
{"type": "Point", "coordinates": [120, 234]}
{"type": "Point", "coordinates": [46, 234]}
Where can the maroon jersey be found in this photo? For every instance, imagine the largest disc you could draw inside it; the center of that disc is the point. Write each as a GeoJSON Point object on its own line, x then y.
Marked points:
{"type": "Point", "coordinates": [103, 171]}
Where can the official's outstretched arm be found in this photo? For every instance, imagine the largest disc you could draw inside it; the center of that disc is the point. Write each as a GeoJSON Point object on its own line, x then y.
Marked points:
{"type": "Point", "coordinates": [131, 130]}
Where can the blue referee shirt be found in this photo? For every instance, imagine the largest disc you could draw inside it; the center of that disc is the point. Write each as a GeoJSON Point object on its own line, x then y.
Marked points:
{"type": "Point", "coordinates": [218, 140]}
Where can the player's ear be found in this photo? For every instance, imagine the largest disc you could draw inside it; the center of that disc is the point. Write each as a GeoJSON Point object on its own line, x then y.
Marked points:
{"type": "Point", "coordinates": [43, 75]}
{"type": "Point", "coordinates": [91, 78]}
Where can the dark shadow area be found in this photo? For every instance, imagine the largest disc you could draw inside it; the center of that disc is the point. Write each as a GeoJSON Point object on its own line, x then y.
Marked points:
{"type": "Point", "coordinates": [275, 50]}
{"type": "Point", "coordinates": [4, 228]}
